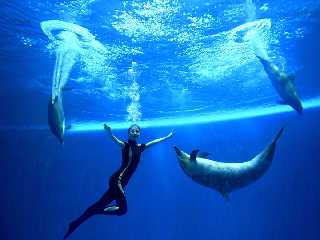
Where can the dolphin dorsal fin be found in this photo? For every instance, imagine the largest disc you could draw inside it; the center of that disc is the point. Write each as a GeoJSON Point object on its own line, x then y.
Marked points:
{"type": "Point", "coordinates": [66, 89]}
{"type": "Point", "coordinates": [193, 154]}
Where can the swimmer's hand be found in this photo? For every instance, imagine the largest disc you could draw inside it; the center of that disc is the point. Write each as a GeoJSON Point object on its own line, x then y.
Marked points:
{"type": "Point", "coordinates": [107, 128]}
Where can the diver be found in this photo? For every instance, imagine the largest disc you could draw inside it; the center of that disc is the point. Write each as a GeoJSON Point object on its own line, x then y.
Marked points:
{"type": "Point", "coordinates": [131, 152]}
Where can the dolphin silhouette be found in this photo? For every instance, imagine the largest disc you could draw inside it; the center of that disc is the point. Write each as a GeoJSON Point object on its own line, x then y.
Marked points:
{"type": "Point", "coordinates": [284, 85]}
{"type": "Point", "coordinates": [226, 177]}
{"type": "Point", "coordinates": [56, 119]}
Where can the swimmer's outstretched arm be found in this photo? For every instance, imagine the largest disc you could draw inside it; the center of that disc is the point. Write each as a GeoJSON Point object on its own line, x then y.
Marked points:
{"type": "Point", "coordinates": [114, 138]}
{"type": "Point", "coordinates": [159, 139]}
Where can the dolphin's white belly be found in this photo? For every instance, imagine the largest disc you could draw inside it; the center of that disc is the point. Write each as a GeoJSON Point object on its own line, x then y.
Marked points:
{"type": "Point", "coordinates": [220, 176]}
{"type": "Point", "coordinates": [226, 177]}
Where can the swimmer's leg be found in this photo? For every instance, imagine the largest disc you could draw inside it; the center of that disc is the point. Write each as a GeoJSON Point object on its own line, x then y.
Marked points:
{"type": "Point", "coordinates": [121, 205]}
{"type": "Point", "coordinates": [96, 208]}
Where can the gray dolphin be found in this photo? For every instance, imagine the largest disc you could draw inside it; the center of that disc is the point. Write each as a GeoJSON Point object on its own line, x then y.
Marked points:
{"type": "Point", "coordinates": [283, 83]}
{"type": "Point", "coordinates": [226, 177]}
{"type": "Point", "coordinates": [56, 119]}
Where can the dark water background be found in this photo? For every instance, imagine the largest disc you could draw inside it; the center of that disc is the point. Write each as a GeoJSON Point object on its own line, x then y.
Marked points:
{"type": "Point", "coordinates": [45, 185]}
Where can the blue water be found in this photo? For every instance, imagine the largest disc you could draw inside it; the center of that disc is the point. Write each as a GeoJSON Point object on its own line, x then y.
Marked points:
{"type": "Point", "coordinates": [194, 71]}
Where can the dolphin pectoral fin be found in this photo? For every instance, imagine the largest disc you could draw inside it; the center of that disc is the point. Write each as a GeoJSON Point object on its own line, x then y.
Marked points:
{"type": "Point", "coordinates": [292, 77]}
{"type": "Point", "coordinates": [67, 89]}
{"type": "Point", "coordinates": [203, 154]}
{"type": "Point", "coordinates": [225, 195]}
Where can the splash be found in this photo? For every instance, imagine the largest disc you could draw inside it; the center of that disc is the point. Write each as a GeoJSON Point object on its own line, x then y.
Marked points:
{"type": "Point", "coordinates": [146, 20]}
{"type": "Point", "coordinates": [227, 51]}
{"type": "Point", "coordinates": [69, 40]}
{"type": "Point", "coordinates": [75, 8]}
{"type": "Point", "coordinates": [250, 10]}
{"type": "Point", "coordinates": [133, 109]}
{"type": "Point", "coordinates": [258, 43]}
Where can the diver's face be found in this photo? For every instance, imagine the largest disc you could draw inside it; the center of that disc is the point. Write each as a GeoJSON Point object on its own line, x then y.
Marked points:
{"type": "Point", "coordinates": [134, 133]}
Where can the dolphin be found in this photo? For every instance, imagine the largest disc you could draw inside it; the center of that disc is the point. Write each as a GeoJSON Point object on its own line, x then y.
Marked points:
{"type": "Point", "coordinates": [283, 83]}
{"type": "Point", "coordinates": [56, 119]}
{"type": "Point", "coordinates": [226, 177]}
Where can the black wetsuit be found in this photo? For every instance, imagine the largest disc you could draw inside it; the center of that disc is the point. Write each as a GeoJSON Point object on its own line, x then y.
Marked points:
{"type": "Point", "coordinates": [116, 184]}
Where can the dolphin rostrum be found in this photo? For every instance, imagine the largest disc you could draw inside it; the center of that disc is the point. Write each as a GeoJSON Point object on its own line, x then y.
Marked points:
{"type": "Point", "coordinates": [226, 177]}
{"type": "Point", "coordinates": [56, 119]}
{"type": "Point", "coordinates": [283, 83]}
